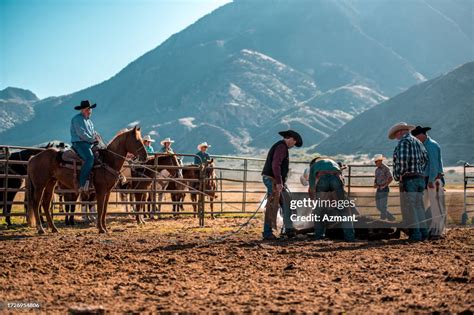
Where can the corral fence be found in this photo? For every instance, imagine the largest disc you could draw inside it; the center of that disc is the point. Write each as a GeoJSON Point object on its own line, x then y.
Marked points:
{"type": "Point", "coordinates": [468, 176]}
{"type": "Point", "coordinates": [239, 189]}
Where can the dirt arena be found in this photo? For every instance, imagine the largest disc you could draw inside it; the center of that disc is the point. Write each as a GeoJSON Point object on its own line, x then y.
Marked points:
{"type": "Point", "coordinates": [169, 265]}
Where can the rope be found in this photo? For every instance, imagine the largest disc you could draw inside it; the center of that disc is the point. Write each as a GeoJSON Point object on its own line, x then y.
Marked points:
{"type": "Point", "coordinates": [240, 228]}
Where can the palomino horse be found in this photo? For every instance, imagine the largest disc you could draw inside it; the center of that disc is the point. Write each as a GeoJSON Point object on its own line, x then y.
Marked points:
{"type": "Point", "coordinates": [210, 185]}
{"type": "Point", "coordinates": [44, 171]}
{"type": "Point", "coordinates": [147, 172]}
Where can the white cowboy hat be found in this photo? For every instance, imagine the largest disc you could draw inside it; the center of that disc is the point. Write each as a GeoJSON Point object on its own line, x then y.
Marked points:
{"type": "Point", "coordinates": [166, 140]}
{"type": "Point", "coordinates": [204, 144]}
{"type": "Point", "coordinates": [378, 157]}
{"type": "Point", "coordinates": [304, 178]}
{"type": "Point", "coordinates": [397, 127]}
{"type": "Point", "coordinates": [148, 138]}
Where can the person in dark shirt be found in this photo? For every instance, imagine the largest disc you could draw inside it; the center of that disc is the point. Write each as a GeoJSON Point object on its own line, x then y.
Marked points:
{"type": "Point", "coordinates": [274, 175]}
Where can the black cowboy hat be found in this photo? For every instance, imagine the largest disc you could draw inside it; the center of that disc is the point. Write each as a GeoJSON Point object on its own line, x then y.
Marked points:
{"type": "Point", "coordinates": [419, 130]}
{"type": "Point", "coordinates": [292, 134]}
{"type": "Point", "coordinates": [85, 104]}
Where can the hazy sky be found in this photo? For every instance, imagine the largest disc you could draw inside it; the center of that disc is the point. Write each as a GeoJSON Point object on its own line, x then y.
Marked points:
{"type": "Point", "coordinates": [56, 47]}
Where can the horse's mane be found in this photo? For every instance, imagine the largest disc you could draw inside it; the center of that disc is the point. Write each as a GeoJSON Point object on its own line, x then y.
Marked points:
{"type": "Point", "coordinates": [119, 133]}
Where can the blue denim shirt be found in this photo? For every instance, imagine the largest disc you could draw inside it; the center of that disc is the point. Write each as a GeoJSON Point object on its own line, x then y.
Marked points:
{"type": "Point", "coordinates": [435, 162]}
{"type": "Point", "coordinates": [82, 129]}
{"type": "Point", "coordinates": [204, 158]}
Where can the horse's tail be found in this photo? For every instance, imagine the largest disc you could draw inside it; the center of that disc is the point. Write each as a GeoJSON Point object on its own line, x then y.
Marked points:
{"type": "Point", "coordinates": [30, 188]}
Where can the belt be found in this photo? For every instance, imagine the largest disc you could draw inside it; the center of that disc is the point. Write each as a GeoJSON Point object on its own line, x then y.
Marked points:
{"type": "Point", "coordinates": [412, 175]}
{"type": "Point", "coordinates": [321, 173]}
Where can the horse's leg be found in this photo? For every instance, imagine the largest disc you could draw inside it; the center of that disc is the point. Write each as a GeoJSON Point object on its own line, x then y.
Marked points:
{"type": "Point", "coordinates": [100, 211]}
{"type": "Point", "coordinates": [91, 208]}
{"type": "Point", "coordinates": [8, 210]}
{"type": "Point", "coordinates": [137, 197]}
{"type": "Point", "coordinates": [160, 200]}
{"type": "Point", "coordinates": [149, 207]}
{"type": "Point", "coordinates": [211, 199]}
{"type": "Point", "coordinates": [193, 200]}
{"type": "Point", "coordinates": [175, 208]}
{"type": "Point", "coordinates": [72, 209]}
{"type": "Point", "coordinates": [140, 197]}
{"type": "Point", "coordinates": [104, 211]}
{"type": "Point", "coordinates": [47, 197]}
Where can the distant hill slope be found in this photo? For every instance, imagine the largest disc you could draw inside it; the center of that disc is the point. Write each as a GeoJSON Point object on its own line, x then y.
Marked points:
{"type": "Point", "coordinates": [253, 67]}
{"type": "Point", "coordinates": [15, 107]}
{"type": "Point", "coordinates": [445, 103]}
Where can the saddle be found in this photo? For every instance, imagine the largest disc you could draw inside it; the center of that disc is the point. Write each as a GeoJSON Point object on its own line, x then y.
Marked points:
{"type": "Point", "coordinates": [70, 159]}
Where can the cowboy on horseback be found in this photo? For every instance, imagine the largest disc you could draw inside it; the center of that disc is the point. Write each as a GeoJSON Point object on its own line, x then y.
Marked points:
{"type": "Point", "coordinates": [202, 156]}
{"type": "Point", "coordinates": [83, 137]}
{"type": "Point", "coordinates": [166, 146]}
{"type": "Point", "coordinates": [147, 141]}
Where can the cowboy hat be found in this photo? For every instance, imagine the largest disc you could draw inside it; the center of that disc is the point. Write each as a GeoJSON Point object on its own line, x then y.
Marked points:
{"type": "Point", "coordinates": [397, 127]}
{"type": "Point", "coordinates": [292, 134]}
{"type": "Point", "coordinates": [378, 157]}
{"type": "Point", "coordinates": [166, 140]}
{"type": "Point", "coordinates": [204, 144]}
{"type": "Point", "coordinates": [419, 130]}
{"type": "Point", "coordinates": [85, 104]}
{"type": "Point", "coordinates": [148, 138]}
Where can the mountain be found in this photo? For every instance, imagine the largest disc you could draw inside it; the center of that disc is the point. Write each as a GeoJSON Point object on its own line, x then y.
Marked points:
{"type": "Point", "coordinates": [15, 107]}
{"type": "Point", "coordinates": [445, 104]}
{"type": "Point", "coordinates": [251, 68]}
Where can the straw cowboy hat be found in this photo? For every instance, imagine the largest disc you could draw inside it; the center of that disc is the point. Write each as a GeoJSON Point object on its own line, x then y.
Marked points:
{"type": "Point", "coordinates": [397, 127]}
{"type": "Point", "coordinates": [378, 157]}
{"type": "Point", "coordinates": [204, 144]}
{"type": "Point", "coordinates": [166, 140]}
{"type": "Point", "coordinates": [85, 104]}
{"type": "Point", "coordinates": [148, 138]}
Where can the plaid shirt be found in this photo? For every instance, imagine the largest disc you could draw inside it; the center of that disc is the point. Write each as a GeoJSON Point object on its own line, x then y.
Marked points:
{"type": "Point", "coordinates": [409, 157]}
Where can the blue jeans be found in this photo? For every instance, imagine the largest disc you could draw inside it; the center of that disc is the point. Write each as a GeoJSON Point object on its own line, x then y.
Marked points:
{"type": "Point", "coordinates": [331, 183]}
{"type": "Point", "coordinates": [413, 210]}
{"type": "Point", "coordinates": [267, 229]}
{"type": "Point", "coordinates": [381, 200]}
{"type": "Point", "coordinates": [84, 149]}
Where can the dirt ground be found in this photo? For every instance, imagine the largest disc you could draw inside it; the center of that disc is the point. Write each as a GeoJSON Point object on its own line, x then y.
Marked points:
{"type": "Point", "coordinates": [169, 265]}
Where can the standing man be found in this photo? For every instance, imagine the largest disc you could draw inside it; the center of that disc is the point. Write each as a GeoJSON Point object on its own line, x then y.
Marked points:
{"type": "Point", "coordinates": [325, 180]}
{"type": "Point", "coordinates": [202, 155]}
{"type": "Point", "coordinates": [434, 179]}
{"type": "Point", "coordinates": [409, 162]}
{"type": "Point", "coordinates": [147, 141]}
{"type": "Point", "coordinates": [383, 178]}
{"type": "Point", "coordinates": [274, 175]}
{"type": "Point", "coordinates": [83, 137]}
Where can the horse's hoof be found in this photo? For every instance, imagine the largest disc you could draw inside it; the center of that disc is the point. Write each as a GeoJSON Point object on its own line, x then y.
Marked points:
{"type": "Point", "coordinates": [55, 231]}
{"type": "Point", "coordinates": [102, 231]}
{"type": "Point", "coordinates": [41, 231]}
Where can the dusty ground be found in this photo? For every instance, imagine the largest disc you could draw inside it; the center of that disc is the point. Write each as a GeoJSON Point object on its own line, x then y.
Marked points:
{"type": "Point", "coordinates": [160, 267]}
